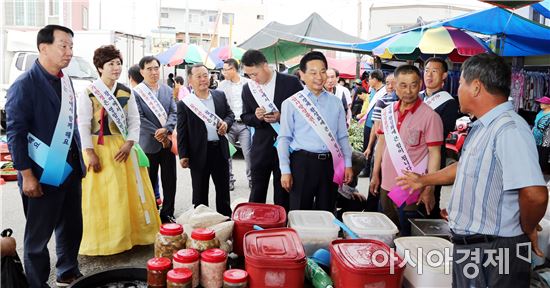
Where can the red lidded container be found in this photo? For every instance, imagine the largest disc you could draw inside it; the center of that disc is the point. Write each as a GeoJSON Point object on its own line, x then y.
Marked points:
{"type": "Point", "coordinates": [171, 229]}
{"type": "Point", "coordinates": [235, 278]}
{"type": "Point", "coordinates": [203, 234]}
{"type": "Point", "coordinates": [247, 215]}
{"type": "Point", "coordinates": [188, 258]}
{"type": "Point", "coordinates": [179, 276]}
{"type": "Point", "coordinates": [364, 262]}
{"type": "Point", "coordinates": [157, 268]}
{"type": "Point", "coordinates": [274, 258]}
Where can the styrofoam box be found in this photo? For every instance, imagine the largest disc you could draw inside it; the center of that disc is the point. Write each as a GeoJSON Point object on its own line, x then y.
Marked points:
{"type": "Point", "coordinates": [436, 272]}
{"type": "Point", "coordinates": [371, 225]}
{"type": "Point", "coordinates": [543, 242]}
{"type": "Point", "coordinates": [315, 228]}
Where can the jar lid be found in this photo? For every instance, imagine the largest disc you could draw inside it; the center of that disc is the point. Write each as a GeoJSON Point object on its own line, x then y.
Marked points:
{"type": "Point", "coordinates": [186, 256]}
{"type": "Point", "coordinates": [159, 263]}
{"type": "Point", "coordinates": [179, 275]}
{"type": "Point", "coordinates": [203, 234]}
{"type": "Point", "coordinates": [214, 255]}
{"type": "Point", "coordinates": [235, 276]}
{"type": "Point", "coordinates": [171, 229]}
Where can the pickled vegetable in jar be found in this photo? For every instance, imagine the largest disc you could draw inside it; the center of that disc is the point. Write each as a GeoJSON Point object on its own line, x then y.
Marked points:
{"type": "Point", "coordinates": [213, 263]}
{"type": "Point", "coordinates": [169, 240]}
{"type": "Point", "coordinates": [203, 239]}
{"type": "Point", "coordinates": [179, 278]}
{"type": "Point", "coordinates": [157, 268]}
{"type": "Point", "coordinates": [235, 278]}
{"type": "Point", "coordinates": [188, 258]}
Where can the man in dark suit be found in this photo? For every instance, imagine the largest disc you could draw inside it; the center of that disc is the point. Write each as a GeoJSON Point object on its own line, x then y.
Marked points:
{"type": "Point", "coordinates": [264, 160]}
{"type": "Point", "coordinates": [37, 101]}
{"type": "Point", "coordinates": [203, 147]}
{"type": "Point", "coordinates": [157, 111]}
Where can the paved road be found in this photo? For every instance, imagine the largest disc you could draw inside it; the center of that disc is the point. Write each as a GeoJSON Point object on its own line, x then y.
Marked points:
{"type": "Point", "coordinates": [12, 216]}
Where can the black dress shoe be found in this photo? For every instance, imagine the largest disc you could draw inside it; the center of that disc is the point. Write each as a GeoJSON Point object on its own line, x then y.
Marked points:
{"type": "Point", "coordinates": [167, 219]}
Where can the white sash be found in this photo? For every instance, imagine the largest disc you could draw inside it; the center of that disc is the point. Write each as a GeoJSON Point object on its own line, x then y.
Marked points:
{"type": "Point", "coordinates": [261, 97]}
{"type": "Point", "coordinates": [111, 105]}
{"type": "Point", "coordinates": [398, 154]}
{"type": "Point", "coordinates": [319, 125]}
{"type": "Point", "coordinates": [53, 158]}
{"type": "Point", "coordinates": [194, 104]}
{"type": "Point", "coordinates": [437, 99]}
{"type": "Point", "coordinates": [152, 102]}
{"type": "Point", "coordinates": [379, 94]}
{"type": "Point", "coordinates": [116, 112]}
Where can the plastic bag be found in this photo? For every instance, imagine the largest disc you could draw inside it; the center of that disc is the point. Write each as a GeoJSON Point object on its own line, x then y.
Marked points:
{"type": "Point", "coordinates": [12, 269]}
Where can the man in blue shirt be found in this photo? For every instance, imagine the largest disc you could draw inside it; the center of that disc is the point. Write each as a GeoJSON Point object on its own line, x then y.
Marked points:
{"type": "Point", "coordinates": [499, 195]}
{"type": "Point", "coordinates": [307, 172]}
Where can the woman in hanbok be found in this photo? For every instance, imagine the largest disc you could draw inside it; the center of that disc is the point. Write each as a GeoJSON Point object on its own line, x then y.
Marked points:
{"type": "Point", "coordinates": [118, 203]}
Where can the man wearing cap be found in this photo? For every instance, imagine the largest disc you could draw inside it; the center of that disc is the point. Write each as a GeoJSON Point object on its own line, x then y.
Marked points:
{"type": "Point", "coordinates": [542, 133]}
{"type": "Point", "coordinates": [499, 195]}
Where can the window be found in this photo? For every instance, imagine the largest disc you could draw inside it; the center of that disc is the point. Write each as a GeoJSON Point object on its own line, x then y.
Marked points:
{"type": "Point", "coordinates": [53, 8]}
{"type": "Point", "coordinates": [259, 17]}
{"type": "Point", "coordinates": [228, 18]}
{"type": "Point", "coordinates": [212, 18]}
{"type": "Point", "coordinates": [194, 18]}
{"type": "Point", "coordinates": [19, 7]}
{"type": "Point", "coordinates": [224, 41]}
{"type": "Point", "coordinates": [164, 15]}
{"type": "Point", "coordinates": [85, 18]}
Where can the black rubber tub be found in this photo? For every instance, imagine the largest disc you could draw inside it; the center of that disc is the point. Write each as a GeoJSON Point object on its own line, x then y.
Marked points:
{"type": "Point", "coordinates": [120, 277]}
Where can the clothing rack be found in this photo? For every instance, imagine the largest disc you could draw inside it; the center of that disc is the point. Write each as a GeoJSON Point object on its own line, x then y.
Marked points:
{"type": "Point", "coordinates": [527, 86]}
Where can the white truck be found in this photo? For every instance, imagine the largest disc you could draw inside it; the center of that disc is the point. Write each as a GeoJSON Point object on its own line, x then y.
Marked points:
{"type": "Point", "coordinates": [20, 52]}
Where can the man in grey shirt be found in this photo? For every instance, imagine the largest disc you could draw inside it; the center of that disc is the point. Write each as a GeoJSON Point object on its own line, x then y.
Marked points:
{"type": "Point", "coordinates": [232, 86]}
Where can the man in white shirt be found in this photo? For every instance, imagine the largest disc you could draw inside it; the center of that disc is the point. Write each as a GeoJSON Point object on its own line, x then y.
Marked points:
{"type": "Point", "coordinates": [332, 86]}
{"type": "Point", "coordinates": [232, 86]}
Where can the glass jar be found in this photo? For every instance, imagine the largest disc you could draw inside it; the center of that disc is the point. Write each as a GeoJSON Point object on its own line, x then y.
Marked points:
{"type": "Point", "coordinates": [188, 258]}
{"type": "Point", "coordinates": [213, 263]}
{"type": "Point", "coordinates": [179, 278]}
{"type": "Point", "coordinates": [203, 239]}
{"type": "Point", "coordinates": [169, 240]}
{"type": "Point", "coordinates": [157, 268]}
{"type": "Point", "coordinates": [235, 278]}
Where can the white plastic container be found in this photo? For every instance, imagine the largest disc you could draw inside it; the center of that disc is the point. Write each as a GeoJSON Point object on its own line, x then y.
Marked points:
{"type": "Point", "coordinates": [371, 225]}
{"type": "Point", "coordinates": [543, 242]}
{"type": "Point", "coordinates": [420, 271]}
{"type": "Point", "coordinates": [315, 228]}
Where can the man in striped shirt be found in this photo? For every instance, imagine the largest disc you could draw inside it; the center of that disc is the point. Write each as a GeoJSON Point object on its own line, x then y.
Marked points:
{"type": "Point", "coordinates": [499, 195]}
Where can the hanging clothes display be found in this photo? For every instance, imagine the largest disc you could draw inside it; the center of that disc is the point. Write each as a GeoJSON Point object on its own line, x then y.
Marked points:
{"type": "Point", "coordinates": [527, 86]}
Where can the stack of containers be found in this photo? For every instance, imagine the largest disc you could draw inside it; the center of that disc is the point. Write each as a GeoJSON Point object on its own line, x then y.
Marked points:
{"type": "Point", "coordinates": [315, 228]}
{"type": "Point", "coordinates": [274, 258]}
{"type": "Point", "coordinates": [364, 263]}
{"type": "Point", "coordinates": [246, 215]}
{"type": "Point", "coordinates": [371, 225]}
{"type": "Point", "coordinates": [429, 261]}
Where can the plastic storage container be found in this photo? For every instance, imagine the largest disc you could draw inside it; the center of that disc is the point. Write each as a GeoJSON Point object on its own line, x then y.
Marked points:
{"type": "Point", "coordinates": [188, 258]}
{"type": "Point", "coordinates": [429, 261]}
{"type": "Point", "coordinates": [543, 242]}
{"type": "Point", "coordinates": [179, 278]}
{"type": "Point", "coordinates": [235, 278]}
{"type": "Point", "coordinates": [315, 228]}
{"type": "Point", "coordinates": [364, 263]}
{"type": "Point", "coordinates": [430, 227]}
{"type": "Point", "coordinates": [246, 215]}
{"type": "Point", "coordinates": [274, 258]}
{"type": "Point", "coordinates": [213, 263]}
{"type": "Point", "coordinates": [169, 240]}
{"type": "Point", "coordinates": [157, 268]}
{"type": "Point", "coordinates": [371, 225]}
{"type": "Point", "coordinates": [203, 239]}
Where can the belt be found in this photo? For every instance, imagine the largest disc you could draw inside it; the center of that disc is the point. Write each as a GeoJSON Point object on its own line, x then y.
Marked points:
{"type": "Point", "coordinates": [214, 143]}
{"type": "Point", "coordinates": [318, 156]}
{"type": "Point", "coordinates": [472, 239]}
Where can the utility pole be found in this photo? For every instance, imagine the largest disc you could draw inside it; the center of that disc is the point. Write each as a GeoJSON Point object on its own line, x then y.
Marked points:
{"type": "Point", "coordinates": [359, 29]}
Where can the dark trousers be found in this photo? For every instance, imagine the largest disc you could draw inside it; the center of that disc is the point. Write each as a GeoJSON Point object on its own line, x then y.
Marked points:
{"type": "Point", "coordinates": [218, 167]}
{"type": "Point", "coordinates": [544, 155]}
{"type": "Point", "coordinates": [471, 272]}
{"type": "Point", "coordinates": [366, 138]}
{"type": "Point", "coordinates": [312, 187]}
{"type": "Point", "coordinates": [260, 174]}
{"type": "Point", "coordinates": [59, 210]}
{"type": "Point", "coordinates": [167, 162]}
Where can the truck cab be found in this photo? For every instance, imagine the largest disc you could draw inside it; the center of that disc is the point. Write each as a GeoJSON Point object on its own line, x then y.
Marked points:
{"type": "Point", "coordinates": [81, 72]}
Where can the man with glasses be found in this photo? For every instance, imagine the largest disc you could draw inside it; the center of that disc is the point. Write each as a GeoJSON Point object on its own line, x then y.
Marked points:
{"type": "Point", "coordinates": [157, 110]}
{"type": "Point", "coordinates": [232, 86]}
